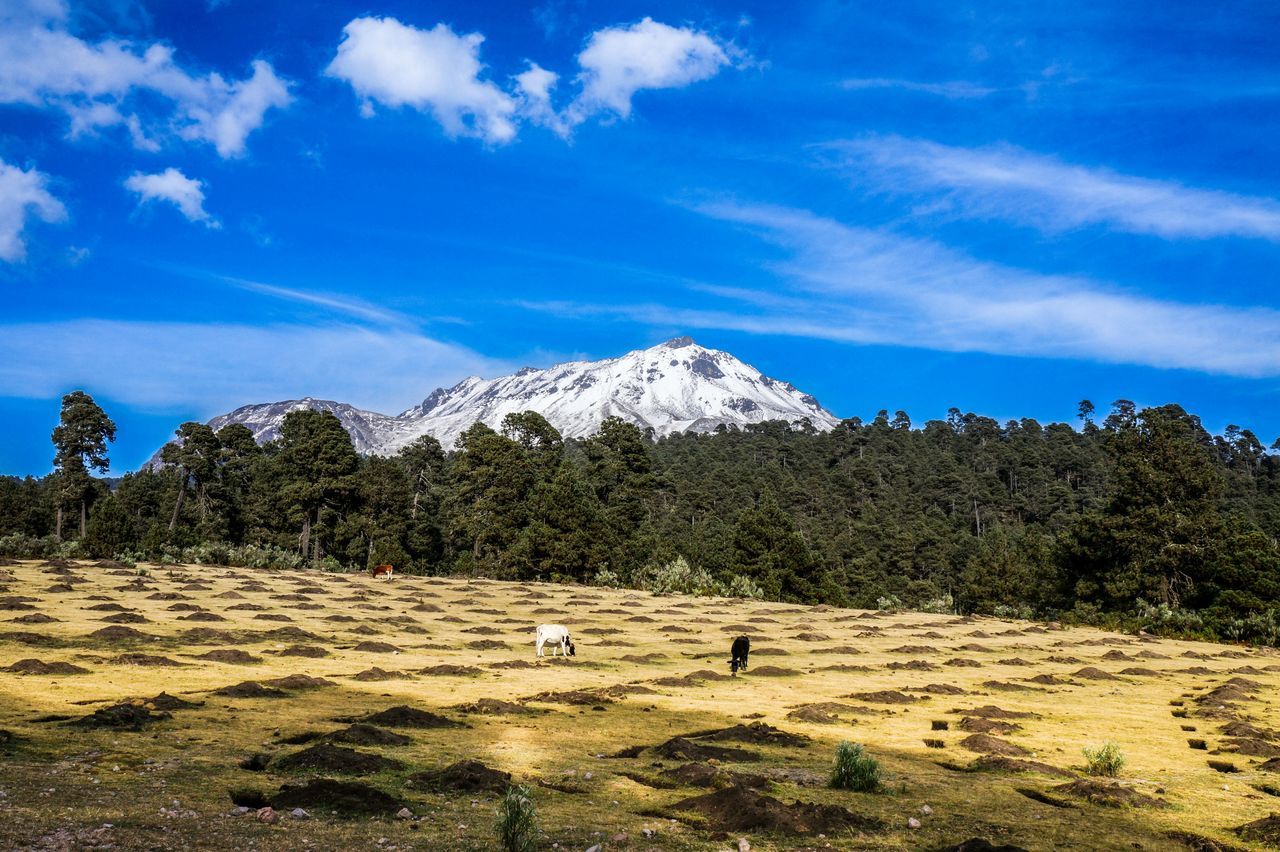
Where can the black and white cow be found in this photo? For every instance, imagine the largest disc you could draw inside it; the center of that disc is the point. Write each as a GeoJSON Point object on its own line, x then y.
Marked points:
{"type": "Point", "coordinates": [741, 649]}
{"type": "Point", "coordinates": [557, 635]}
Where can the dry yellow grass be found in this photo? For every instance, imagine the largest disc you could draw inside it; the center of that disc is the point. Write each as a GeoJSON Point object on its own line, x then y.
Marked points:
{"type": "Point", "coordinates": [61, 784]}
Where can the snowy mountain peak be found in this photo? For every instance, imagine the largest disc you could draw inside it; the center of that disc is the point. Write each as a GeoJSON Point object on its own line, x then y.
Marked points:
{"type": "Point", "coordinates": [672, 387]}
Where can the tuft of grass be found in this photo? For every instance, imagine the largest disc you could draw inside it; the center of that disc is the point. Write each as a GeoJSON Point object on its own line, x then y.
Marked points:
{"type": "Point", "coordinates": [855, 770]}
{"type": "Point", "coordinates": [517, 825]}
{"type": "Point", "coordinates": [1106, 760]}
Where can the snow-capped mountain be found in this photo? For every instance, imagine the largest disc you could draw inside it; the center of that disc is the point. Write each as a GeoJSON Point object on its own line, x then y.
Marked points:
{"type": "Point", "coordinates": [673, 387]}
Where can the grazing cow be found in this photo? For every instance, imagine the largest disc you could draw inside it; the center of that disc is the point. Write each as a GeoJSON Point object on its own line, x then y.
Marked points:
{"type": "Point", "coordinates": [557, 635]}
{"type": "Point", "coordinates": [387, 571]}
{"type": "Point", "coordinates": [741, 649]}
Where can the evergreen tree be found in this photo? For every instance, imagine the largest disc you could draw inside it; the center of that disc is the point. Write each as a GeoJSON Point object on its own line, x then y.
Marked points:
{"type": "Point", "coordinates": [80, 440]}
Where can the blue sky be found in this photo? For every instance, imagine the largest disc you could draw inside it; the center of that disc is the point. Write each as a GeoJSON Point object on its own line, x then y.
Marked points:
{"type": "Point", "coordinates": [1000, 207]}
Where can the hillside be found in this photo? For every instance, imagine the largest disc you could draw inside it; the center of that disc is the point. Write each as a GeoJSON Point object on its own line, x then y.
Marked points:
{"type": "Point", "coordinates": [978, 723]}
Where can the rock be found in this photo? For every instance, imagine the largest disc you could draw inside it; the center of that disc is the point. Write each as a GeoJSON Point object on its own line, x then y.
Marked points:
{"type": "Point", "coordinates": [299, 813]}
{"type": "Point", "coordinates": [404, 813]}
{"type": "Point", "coordinates": [926, 810]}
{"type": "Point", "coordinates": [912, 822]}
{"type": "Point", "coordinates": [240, 811]}
{"type": "Point", "coordinates": [595, 848]}
{"type": "Point", "coordinates": [268, 815]}
{"type": "Point", "coordinates": [620, 837]}
{"type": "Point", "coordinates": [743, 845]}
{"type": "Point", "coordinates": [648, 832]}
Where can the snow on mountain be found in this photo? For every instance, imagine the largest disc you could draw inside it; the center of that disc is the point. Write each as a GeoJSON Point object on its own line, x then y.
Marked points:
{"type": "Point", "coordinates": [673, 387]}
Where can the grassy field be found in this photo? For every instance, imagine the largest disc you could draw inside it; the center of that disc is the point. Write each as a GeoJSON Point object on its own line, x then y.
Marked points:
{"type": "Point", "coordinates": [978, 724]}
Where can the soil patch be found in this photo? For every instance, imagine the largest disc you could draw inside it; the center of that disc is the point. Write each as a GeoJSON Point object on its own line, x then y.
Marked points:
{"type": "Point", "coordinates": [32, 666]}
{"type": "Point", "coordinates": [466, 776]}
{"type": "Point", "coordinates": [228, 655]}
{"type": "Point", "coordinates": [371, 735]}
{"type": "Point", "coordinates": [986, 744]}
{"type": "Point", "coordinates": [1110, 793]}
{"type": "Point", "coordinates": [1265, 831]}
{"type": "Point", "coordinates": [250, 689]}
{"type": "Point", "coordinates": [119, 633]}
{"type": "Point", "coordinates": [706, 775]}
{"type": "Point", "coordinates": [978, 725]}
{"type": "Point", "coordinates": [314, 652]}
{"type": "Point", "coordinates": [125, 716]}
{"type": "Point", "coordinates": [324, 757]}
{"type": "Point", "coordinates": [990, 711]}
{"type": "Point", "coordinates": [884, 696]}
{"type": "Point", "coordinates": [681, 748]}
{"type": "Point", "coordinates": [493, 707]}
{"type": "Point", "coordinates": [143, 660]}
{"type": "Point", "coordinates": [772, 671]}
{"type": "Point", "coordinates": [756, 732]}
{"type": "Point", "coordinates": [1092, 673]}
{"type": "Point", "coordinates": [342, 798]}
{"type": "Point", "coordinates": [738, 808]}
{"type": "Point", "coordinates": [298, 681]}
{"type": "Point", "coordinates": [999, 763]}
{"type": "Point", "coordinates": [402, 716]}
{"type": "Point", "coordinates": [450, 670]}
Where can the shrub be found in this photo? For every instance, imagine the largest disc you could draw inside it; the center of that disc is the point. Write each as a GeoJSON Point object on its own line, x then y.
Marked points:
{"type": "Point", "coordinates": [607, 578]}
{"type": "Point", "coordinates": [517, 825]}
{"type": "Point", "coordinates": [889, 603]}
{"type": "Point", "coordinates": [743, 587]}
{"type": "Point", "coordinates": [20, 546]}
{"type": "Point", "coordinates": [1106, 760]}
{"type": "Point", "coordinates": [855, 770]}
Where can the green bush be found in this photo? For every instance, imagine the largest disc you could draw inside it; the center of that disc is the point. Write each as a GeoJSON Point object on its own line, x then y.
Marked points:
{"type": "Point", "coordinates": [855, 770]}
{"type": "Point", "coordinates": [1106, 760]}
{"type": "Point", "coordinates": [517, 825]}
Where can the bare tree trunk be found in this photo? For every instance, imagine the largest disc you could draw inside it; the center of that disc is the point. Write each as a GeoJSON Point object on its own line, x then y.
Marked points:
{"type": "Point", "coordinates": [305, 542]}
{"type": "Point", "coordinates": [57, 533]}
{"type": "Point", "coordinates": [177, 506]}
{"type": "Point", "coordinates": [84, 515]}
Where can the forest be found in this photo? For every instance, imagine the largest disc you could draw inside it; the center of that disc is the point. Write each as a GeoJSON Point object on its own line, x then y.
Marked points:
{"type": "Point", "coordinates": [1143, 520]}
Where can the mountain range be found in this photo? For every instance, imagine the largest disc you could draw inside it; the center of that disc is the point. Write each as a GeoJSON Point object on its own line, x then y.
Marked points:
{"type": "Point", "coordinates": [675, 386]}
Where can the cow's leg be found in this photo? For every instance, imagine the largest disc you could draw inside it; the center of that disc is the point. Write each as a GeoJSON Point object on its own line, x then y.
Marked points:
{"type": "Point", "coordinates": [540, 641]}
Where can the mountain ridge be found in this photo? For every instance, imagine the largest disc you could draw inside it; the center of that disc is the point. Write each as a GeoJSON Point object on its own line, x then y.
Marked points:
{"type": "Point", "coordinates": [675, 386]}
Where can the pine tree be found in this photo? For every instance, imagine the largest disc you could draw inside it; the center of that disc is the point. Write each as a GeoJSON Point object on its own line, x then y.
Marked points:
{"type": "Point", "coordinates": [81, 442]}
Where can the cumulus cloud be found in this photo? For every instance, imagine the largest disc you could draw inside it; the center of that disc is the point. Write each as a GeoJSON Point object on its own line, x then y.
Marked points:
{"type": "Point", "coordinates": [435, 70]}
{"type": "Point", "coordinates": [172, 186]}
{"type": "Point", "coordinates": [859, 285]}
{"type": "Point", "coordinates": [214, 367]}
{"type": "Point", "coordinates": [618, 62]}
{"type": "Point", "coordinates": [24, 195]}
{"type": "Point", "coordinates": [392, 64]}
{"type": "Point", "coordinates": [104, 84]}
{"type": "Point", "coordinates": [1016, 185]}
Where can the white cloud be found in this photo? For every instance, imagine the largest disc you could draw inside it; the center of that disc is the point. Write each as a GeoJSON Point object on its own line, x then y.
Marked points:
{"type": "Point", "coordinates": [214, 367]}
{"type": "Point", "coordinates": [857, 285]}
{"type": "Point", "coordinates": [24, 194]}
{"type": "Point", "coordinates": [620, 61]}
{"type": "Point", "coordinates": [438, 71]}
{"type": "Point", "coordinates": [433, 70]}
{"type": "Point", "coordinates": [951, 89]}
{"type": "Point", "coordinates": [98, 85]}
{"type": "Point", "coordinates": [1009, 183]}
{"type": "Point", "coordinates": [171, 185]}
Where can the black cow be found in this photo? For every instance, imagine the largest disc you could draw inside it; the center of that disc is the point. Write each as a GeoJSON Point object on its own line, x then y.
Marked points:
{"type": "Point", "coordinates": [741, 648]}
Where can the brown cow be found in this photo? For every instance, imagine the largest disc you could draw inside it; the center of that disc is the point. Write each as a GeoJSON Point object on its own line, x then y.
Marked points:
{"type": "Point", "coordinates": [387, 571]}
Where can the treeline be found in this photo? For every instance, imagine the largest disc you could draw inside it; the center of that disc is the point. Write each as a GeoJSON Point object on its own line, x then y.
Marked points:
{"type": "Point", "coordinates": [1144, 518]}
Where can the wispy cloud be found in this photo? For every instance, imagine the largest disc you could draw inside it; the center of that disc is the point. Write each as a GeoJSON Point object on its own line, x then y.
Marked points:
{"type": "Point", "coordinates": [214, 367]}
{"type": "Point", "coordinates": [858, 285]}
{"type": "Point", "coordinates": [345, 305]}
{"type": "Point", "coordinates": [1004, 182]}
{"type": "Point", "coordinates": [951, 89]}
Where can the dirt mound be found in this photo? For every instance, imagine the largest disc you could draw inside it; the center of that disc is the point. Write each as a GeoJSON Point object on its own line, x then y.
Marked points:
{"type": "Point", "coordinates": [1139, 671]}
{"type": "Point", "coordinates": [362, 734]}
{"type": "Point", "coordinates": [298, 681]}
{"type": "Point", "coordinates": [32, 666]}
{"type": "Point", "coordinates": [986, 744]}
{"type": "Point", "coordinates": [126, 618]}
{"type": "Point", "coordinates": [513, 664]}
{"type": "Point", "coordinates": [978, 725]}
{"type": "Point", "coordinates": [990, 711]}
{"type": "Point", "coordinates": [165, 701]}
{"type": "Point", "coordinates": [756, 732]}
{"type": "Point", "coordinates": [446, 670]}
{"type": "Point", "coordinates": [314, 652]}
{"type": "Point", "coordinates": [488, 645]}
{"type": "Point", "coordinates": [738, 808]}
{"type": "Point", "coordinates": [825, 713]}
{"type": "Point", "coordinates": [963, 662]}
{"type": "Point", "coordinates": [1014, 661]}
{"type": "Point", "coordinates": [1048, 680]}
{"type": "Point", "coordinates": [772, 671]}
{"type": "Point", "coordinates": [706, 775]}
{"type": "Point", "coordinates": [24, 637]}
{"type": "Point", "coordinates": [1245, 729]}
{"type": "Point", "coordinates": [1196, 843]}
{"type": "Point", "coordinates": [1265, 831]}
{"type": "Point", "coordinates": [979, 844]}
{"type": "Point", "coordinates": [883, 696]}
{"type": "Point", "coordinates": [342, 798]}
{"type": "Point", "coordinates": [573, 697]}
{"type": "Point", "coordinates": [126, 716]}
{"type": "Point", "coordinates": [681, 748]}
{"type": "Point", "coordinates": [228, 655]}
{"type": "Point", "coordinates": [143, 660]}
{"type": "Point", "coordinates": [493, 707]}
{"type": "Point", "coordinates": [913, 649]}
{"type": "Point", "coordinates": [34, 618]}
{"type": "Point", "coordinates": [913, 665]}
{"type": "Point", "coordinates": [1110, 793]}
{"type": "Point", "coordinates": [642, 659]}
{"type": "Point", "coordinates": [1120, 656]}
{"type": "Point", "coordinates": [1251, 747]}
{"type": "Point", "coordinates": [402, 716]}
{"type": "Point", "coordinates": [119, 633]}
{"type": "Point", "coordinates": [1091, 673]}
{"type": "Point", "coordinates": [324, 757]}
{"type": "Point", "coordinates": [206, 636]}
{"type": "Point", "coordinates": [466, 776]}
{"type": "Point", "coordinates": [250, 689]}
{"type": "Point", "coordinates": [375, 674]}
{"type": "Point", "coordinates": [999, 763]}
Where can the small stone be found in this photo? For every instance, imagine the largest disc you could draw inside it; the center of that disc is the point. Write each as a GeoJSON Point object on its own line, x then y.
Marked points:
{"type": "Point", "coordinates": [588, 775]}
{"type": "Point", "coordinates": [299, 813]}
{"type": "Point", "coordinates": [743, 845]}
{"type": "Point", "coordinates": [913, 823]}
{"type": "Point", "coordinates": [595, 848]}
{"type": "Point", "coordinates": [620, 837]}
{"type": "Point", "coordinates": [648, 832]}
{"type": "Point", "coordinates": [404, 813]}
{"type": "Point", "coordinates": [240, 811]}
{"type": "Point", "coordinates": [268, 815]}
{"type": "Point", "coordinates": [926, 810]}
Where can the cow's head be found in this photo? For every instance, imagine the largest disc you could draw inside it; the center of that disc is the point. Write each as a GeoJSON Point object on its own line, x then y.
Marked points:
{"type": "Point", "coordinates": [572, 651]}
{"type": "Point", "coordinates": [733, 665]}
